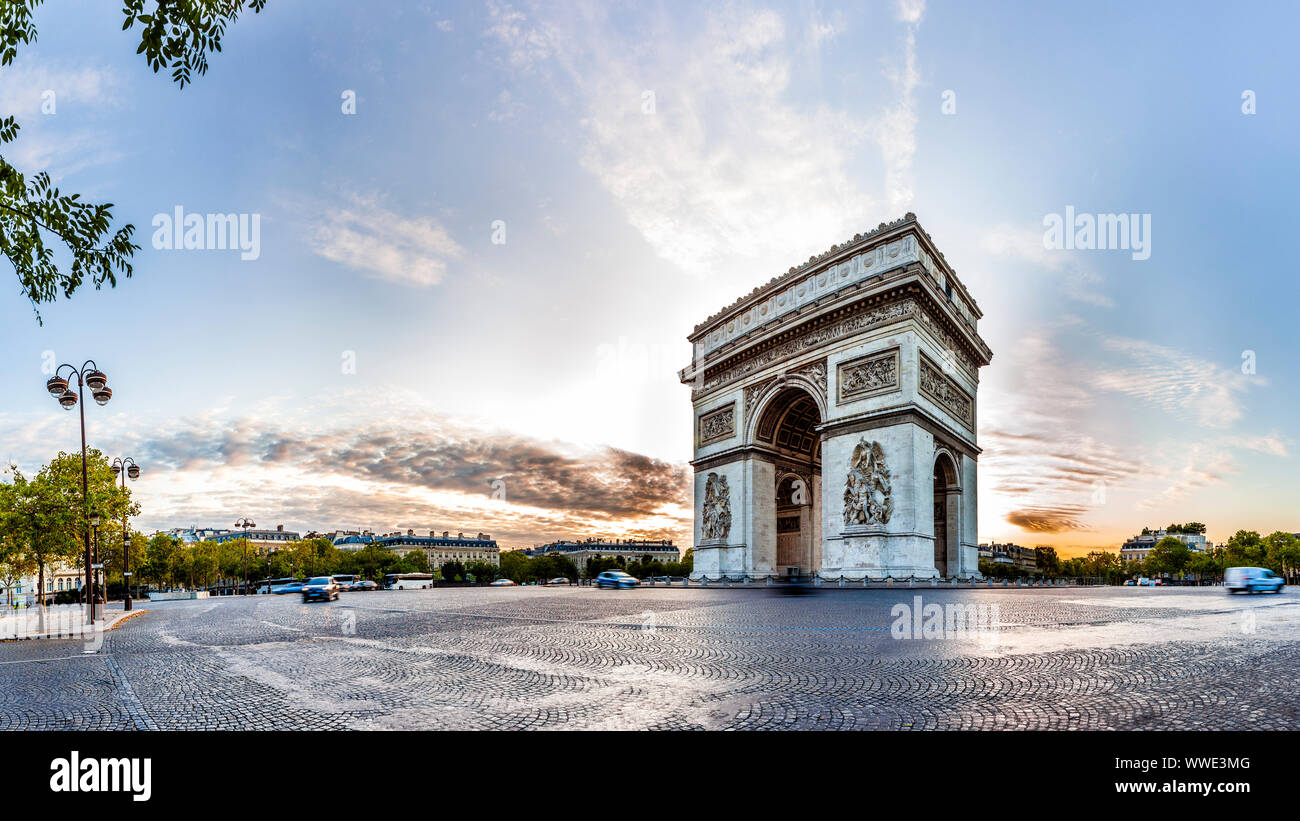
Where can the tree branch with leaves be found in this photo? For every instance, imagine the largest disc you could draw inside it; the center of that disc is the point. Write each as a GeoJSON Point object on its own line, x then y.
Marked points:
{"type": "Point", "coordinates": [36, 217]}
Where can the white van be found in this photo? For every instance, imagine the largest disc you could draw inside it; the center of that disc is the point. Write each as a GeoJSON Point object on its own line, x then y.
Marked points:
{"type": "Point", "coordinates": [1252, 580]}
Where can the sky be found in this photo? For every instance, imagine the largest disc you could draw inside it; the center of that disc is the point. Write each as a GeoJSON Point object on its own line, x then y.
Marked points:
{"type": "Point", "coordinates": [485, 230]}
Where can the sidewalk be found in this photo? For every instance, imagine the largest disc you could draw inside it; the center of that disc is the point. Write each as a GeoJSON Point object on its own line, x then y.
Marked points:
{"type": "Point", "coordinates": [63, 621]}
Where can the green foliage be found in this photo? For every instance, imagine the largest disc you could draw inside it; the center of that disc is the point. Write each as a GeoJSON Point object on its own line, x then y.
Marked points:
{"type": "Point", "coordinates": [174, 34]}
{"type": "Point", "coordinates": [415, 561]}
{"type": "Point", "coordinates": [1047, 561]}
{"type": "Point", "coordinates": [1188, 528]}
{"type": "Point", "coordinates": [1169, 556]}
{"type": "Point", "coordinates": [453, 571]}
{"type": "Point", "coordinates": [1098, 564]}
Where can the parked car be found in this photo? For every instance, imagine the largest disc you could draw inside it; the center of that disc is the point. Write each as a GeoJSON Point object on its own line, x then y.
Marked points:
{"type": "Point", "coordinates": [364, 584]}
{"type": "Point", "coordinates": [558, 580]}
{"type": "Point", "coordinates": [616, 579]}
{"type": "Point", "coordinates": [321, 587]}
{"type": "Point", "coordinates": [1252, 580]}
{"type": "Point", "coordinates": [503, 583]}
{"type": "Point", "coordinates": [290, 587]}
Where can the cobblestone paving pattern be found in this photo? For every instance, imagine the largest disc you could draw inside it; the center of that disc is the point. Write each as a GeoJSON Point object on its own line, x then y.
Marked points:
{"type": "Point", "coordinates": [577, 658]}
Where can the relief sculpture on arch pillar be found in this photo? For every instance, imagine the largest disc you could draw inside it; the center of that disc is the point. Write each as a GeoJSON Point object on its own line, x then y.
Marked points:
{"type": "Point", "coordinates": [868, 494]}
{"type": "Point", "coordinates": [716, 512]}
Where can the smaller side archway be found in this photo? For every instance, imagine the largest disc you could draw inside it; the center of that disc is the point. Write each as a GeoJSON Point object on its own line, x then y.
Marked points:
{"type": "Point", "coordinates": [947, 513]}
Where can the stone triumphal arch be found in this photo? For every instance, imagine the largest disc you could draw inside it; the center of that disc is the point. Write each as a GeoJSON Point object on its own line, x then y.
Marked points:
{"type": "Point", "coordinates": [835, 418]}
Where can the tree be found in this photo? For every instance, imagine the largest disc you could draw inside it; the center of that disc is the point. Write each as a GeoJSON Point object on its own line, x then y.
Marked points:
{"type": "Point", "coordinates": [483, 572]}
{"type": "Point", "coordinates": [415, 561]}
{"type": "Point", "coordinates": [1245, 549]}
{"type": "Point", "coordinates": [1281, 553]}
{"type": "Point", "coordinates": [453, 571]}
{"type": "Point", "coordinates": [173, 35]}
{"type": "Point", "coordinates": [1046, 560]}
{"type": "Point", "coordinates": [1169, 555]}
{"type": "Point", "coordinates": [1203, 565]}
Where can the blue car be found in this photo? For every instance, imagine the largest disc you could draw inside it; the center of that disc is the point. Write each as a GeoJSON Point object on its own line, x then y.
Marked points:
{"type": "Point", "coordinates": [616, 579]}
{"type": "Point", "coordinates": [1252, 580]}
{"type": "Point", "coordinates": [291, 587]}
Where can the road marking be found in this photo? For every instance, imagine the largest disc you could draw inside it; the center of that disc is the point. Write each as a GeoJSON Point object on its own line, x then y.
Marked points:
{"type": "Point", "coordinates": [284, 627]}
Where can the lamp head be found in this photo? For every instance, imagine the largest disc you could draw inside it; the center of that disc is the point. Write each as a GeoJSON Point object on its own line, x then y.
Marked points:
{"type": "Point", "coordinates": [96, 379]}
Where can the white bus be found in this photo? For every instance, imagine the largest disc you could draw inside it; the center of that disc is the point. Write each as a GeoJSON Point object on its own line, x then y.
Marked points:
{"type": "Point", "coordinates": [408, 581]}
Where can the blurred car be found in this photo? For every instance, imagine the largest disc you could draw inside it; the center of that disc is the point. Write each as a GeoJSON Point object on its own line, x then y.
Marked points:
{"type": "Point", "coordinates": [503, 583]}
{"type": "Point", "coordinates": [321, 587]}
{"type": "Point", "coordinates": [558, 580]}
{"type": "Point", "coordinates": [364, 584]}
{"type": "Point", "coordinates": [291, 587]}
{"type": "Point", "coordinates": [616, 579]}
{"type": "Point", "coordinates": [1252, 580]}
{"type": "Point", "coordinates": [1131, 583]}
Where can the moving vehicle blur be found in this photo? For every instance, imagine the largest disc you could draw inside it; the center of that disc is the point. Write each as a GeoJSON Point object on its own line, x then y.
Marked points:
{"type": "Point", "coordinates": [616, 579]}
{"type": "Point", "coordinates": [1252, 580]}
{"type": "Point", "coordinates": [320, 587]}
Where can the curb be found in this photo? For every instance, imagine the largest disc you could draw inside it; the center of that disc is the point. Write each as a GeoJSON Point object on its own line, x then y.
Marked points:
{"type": "Point", "coordinates": [110, 625]}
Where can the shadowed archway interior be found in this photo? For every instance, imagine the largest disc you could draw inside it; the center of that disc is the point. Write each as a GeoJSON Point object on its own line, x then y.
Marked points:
{"type": "Point", "coordinates": [788, 425]}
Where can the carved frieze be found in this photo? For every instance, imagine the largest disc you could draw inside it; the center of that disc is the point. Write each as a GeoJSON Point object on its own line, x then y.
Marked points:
{"type": "Point", "coordinates": [868, 494]}
{"type": "Point", "coordinates": [865, 319]}
{"type": "Point", "coordinates": [718, 424]}
{"type": "Point", "coordinates": [944, 392]}
{"type": "Point", "coordinates": [867, 375]}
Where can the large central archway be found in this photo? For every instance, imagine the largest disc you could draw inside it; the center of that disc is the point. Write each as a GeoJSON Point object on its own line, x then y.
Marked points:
{"type": "Point", "coordinates": [786, 430]}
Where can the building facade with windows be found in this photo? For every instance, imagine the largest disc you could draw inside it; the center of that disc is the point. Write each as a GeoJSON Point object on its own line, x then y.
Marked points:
{"type": "Point", "coordinates": [1024, 558]}
{"type": "Point", "coordinates": [444, 548]}
{"type": "Point", "coordinates": [22, 591]}
{"type": "Point", "coordinates": [631, 550]}
{"type": "Point", "coordinates": [1139, 547]}
{"type": "Point", "coordinates": [258, 538]}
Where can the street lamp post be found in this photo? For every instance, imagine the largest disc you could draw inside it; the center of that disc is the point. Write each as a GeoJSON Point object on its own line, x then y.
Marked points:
{"type": "Point", "coordinates": [245, 523]}
{"type": "Point", "coordinates": [126, 468]}
{"type": "Point", "coordinates": [88, 376]}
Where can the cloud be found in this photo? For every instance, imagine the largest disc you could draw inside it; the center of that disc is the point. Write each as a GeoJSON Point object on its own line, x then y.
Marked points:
{"type": "Point", "coordinates": [694, 131]}
{"type": "Point", "coordinates": [409, 474]}
{"type": "Point", "coordinates": [385, 245]}
{"type": "Point", "coordinates": [1047, 519]}
{"type": "Point", "coordinates": [47, 99]}
{"type": "Point", "coordinates": [1182, 385]}
{"type": "Point", "coordinates": [896, 133]}
{"type": "Point", "coordinates": [1078, 282]}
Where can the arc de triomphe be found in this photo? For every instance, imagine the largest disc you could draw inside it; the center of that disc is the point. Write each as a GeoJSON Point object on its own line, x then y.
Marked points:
{"type": "Point", "coordinates": [835, 418]}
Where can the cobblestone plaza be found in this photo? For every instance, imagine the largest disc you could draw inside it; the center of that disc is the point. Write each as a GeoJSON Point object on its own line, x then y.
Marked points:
{"type": "Point", "coordinates": [654, 658]}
